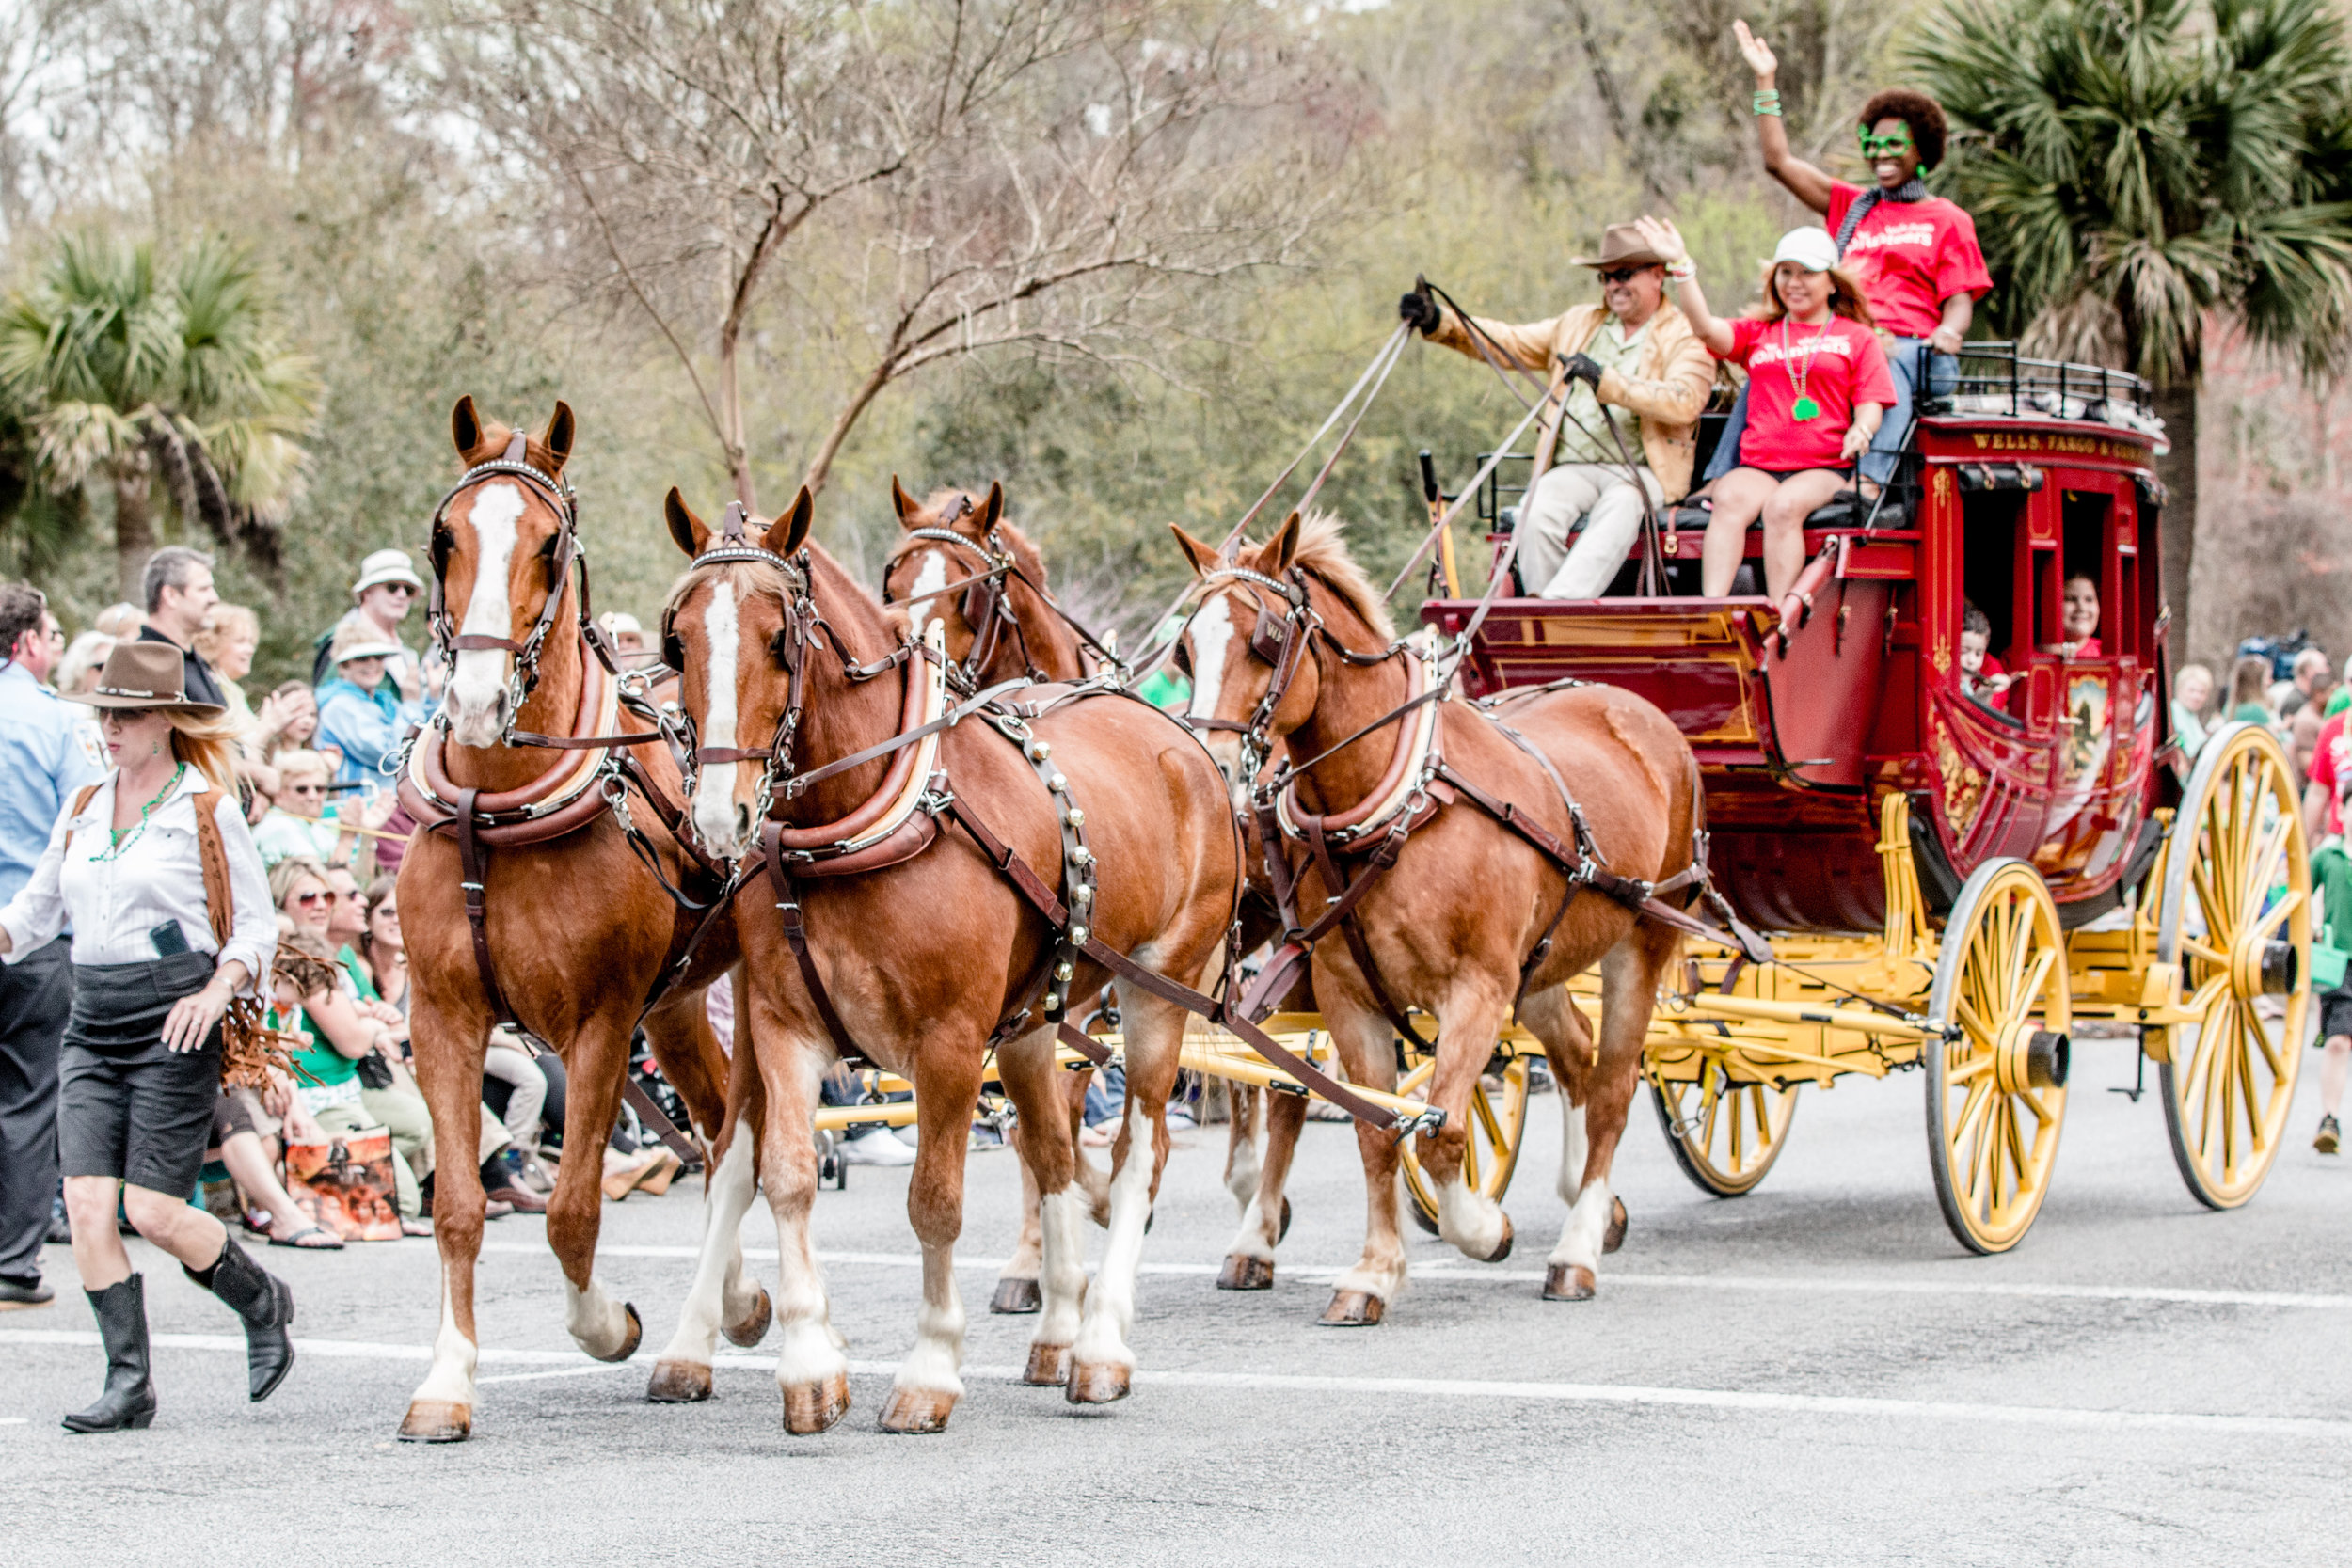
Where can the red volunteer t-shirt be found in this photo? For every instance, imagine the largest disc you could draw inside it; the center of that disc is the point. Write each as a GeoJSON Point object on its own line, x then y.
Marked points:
{"type": "Point", "coordinates": [1909, 257]}
{"type": "Point", "coordinates": [2331, 761]}
{"type": "Point", "coordinates": [1840, 365]}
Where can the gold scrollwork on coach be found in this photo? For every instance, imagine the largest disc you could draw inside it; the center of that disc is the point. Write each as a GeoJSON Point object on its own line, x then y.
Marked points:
{"type": "Point", "coordinates": [1963, 784]}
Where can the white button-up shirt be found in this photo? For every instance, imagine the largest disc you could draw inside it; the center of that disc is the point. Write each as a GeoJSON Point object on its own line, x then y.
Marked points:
{"type": "Point", "coordinates": [113, 905]}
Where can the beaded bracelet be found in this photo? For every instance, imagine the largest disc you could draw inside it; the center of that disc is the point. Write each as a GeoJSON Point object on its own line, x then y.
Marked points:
{"type": "Point", "coordinates": [1767, 101]}
{"type": "Point", "coordinates": [1682, 270]}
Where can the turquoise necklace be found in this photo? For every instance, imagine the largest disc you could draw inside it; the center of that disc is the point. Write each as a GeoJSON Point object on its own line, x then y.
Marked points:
{"type": "Point", "coordinates": [122, 838]}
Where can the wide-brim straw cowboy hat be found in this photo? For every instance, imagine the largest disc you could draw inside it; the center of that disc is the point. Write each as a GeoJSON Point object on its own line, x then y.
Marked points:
{"type": "Point", "coordinates": [146, 675]}
{"type": "Point", "coordinates": [385, 566]}
{"type": "Point", "coordinates": [1622, 245]}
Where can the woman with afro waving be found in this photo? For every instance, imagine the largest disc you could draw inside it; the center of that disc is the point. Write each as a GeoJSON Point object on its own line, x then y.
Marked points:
{"type": "Point", "coordinates": [1914, 254]}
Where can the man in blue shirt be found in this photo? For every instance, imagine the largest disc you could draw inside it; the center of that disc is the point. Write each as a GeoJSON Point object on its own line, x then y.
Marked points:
{"type": "Point", "coordinates": [42, 764]}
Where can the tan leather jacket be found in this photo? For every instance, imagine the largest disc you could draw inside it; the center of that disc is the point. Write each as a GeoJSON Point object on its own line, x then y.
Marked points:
{"type": "Point", "coordinates": [1672, 375]}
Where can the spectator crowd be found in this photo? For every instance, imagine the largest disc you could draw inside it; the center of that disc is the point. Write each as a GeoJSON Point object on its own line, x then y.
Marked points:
{"type": "Point", "coordinates": [314, 761]}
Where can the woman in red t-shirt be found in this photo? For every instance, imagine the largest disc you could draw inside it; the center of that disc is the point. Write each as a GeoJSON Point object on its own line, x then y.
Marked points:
{"type": "Point", "coordinates": [1818, 388]}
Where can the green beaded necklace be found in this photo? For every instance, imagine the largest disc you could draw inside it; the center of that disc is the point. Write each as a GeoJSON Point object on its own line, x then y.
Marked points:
{"type": "Point", "coordinates": [122, 838]}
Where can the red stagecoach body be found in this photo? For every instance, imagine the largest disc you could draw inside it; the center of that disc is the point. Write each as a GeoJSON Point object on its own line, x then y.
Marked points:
{"type": "Point", "coordinates": [1797, 743]}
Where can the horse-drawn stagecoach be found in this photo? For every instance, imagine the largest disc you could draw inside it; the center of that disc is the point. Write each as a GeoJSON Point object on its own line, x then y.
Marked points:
{"type": "Point", "coordinates": [1952, 880]}
{"type": "Point", "coordinates": [929, 831]}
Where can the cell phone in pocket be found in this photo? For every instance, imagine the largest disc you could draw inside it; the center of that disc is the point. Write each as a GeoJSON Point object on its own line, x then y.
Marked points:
{"type": "Point", "coordinates": [169, 938]}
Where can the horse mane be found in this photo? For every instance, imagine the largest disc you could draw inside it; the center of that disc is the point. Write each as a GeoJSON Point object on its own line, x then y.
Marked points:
{"type": "Point", "coordinates": [1323, 550]}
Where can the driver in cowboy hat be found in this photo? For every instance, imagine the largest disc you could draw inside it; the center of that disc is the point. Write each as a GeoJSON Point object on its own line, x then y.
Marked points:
{"type": "Point", "coordinates": [387, 588]}
{"type": "Point", "coordinates": [1628, 351]}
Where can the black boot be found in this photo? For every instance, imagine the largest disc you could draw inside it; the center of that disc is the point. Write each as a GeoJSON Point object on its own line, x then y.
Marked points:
{"type": "Point", "coordinates": [267, 1303]}
{"type": "Point", "coordinates": [128, 1404]}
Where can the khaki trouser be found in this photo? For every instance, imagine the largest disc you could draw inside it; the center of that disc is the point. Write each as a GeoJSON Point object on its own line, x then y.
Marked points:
{"type": "Point", "coordinates": [1603, 495]}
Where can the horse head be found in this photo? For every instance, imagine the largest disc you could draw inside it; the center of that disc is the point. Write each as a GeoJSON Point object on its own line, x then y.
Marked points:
{"type": "Point", "coordinates": [501, 552]}
{"type": "Point", "coordinates": [737, 628]}
{"type": "Point", "coordinates": [979, 577]}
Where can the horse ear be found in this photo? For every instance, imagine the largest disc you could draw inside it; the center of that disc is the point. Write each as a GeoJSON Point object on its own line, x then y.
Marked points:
{"type": "Point", "coordinates": [788, 533]}
{"type": "Point", "coordinates": [903, 504]}
{"type": "Point", "coordinates": [992, 508]}
{"type": "Point", "coordinates": [688, 529]}
{"type": "Point", "coordinates": [1202, 556]}
{"type": "Point", "coordinates": [558, 439]}
{"type": "Point", "coordinates": [465, 425]}
{"type": "Point", "coordinates": [1277, 557]}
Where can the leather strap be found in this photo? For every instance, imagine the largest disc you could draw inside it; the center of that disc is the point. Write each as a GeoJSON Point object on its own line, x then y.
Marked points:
{"type": "Point", "coordinates": [473, 861]}
{"type": "Point", "coordinates": [796, 936]}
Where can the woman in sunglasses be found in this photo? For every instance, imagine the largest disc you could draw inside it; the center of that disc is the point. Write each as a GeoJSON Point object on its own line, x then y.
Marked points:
{"type": "Point", "coordinates": [1627, 354]}
{"type": "Point", "coordinates": [299, 825]}
{"type": "Point", "coordinates": [1914, 254]}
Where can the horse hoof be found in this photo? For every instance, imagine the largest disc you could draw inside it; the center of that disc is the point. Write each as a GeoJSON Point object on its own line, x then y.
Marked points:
{"type": "Point", "coordinates": [754, 1328]}
{"type": "Point", "coordinates": [810, 1408]}
{"type": "Point", "coordinates": [436, 1421]}
{"type": "Point", "coordinates": [1568, 1282]}
{"type": "Point", "coordinates": [1613, 1238]}
{"type": "Point", "coordinates": [1503, 1249]}
{"type": "Point", "coordinates": [914, 1411]}
{"type": "Point", "coordinates": [636, 1336]}
{"type": "Point", "coordinates": [1015, 1297]}
{"type": "Point", "coordinates": [1285, 1229]}
{"type": "Point", "coordinates": [1049, 1366]}
{"type": "Point", "coordinates": [678, 1383]}
{"type": "Point", "coordinates": [1245, 1273]}
{"type": "Point", "coordinates": [1100, 1383]}
{"type": "Point", "coordinates": [1353, 1310]}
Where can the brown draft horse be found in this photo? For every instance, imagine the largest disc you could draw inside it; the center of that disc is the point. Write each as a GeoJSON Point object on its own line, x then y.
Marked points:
{"type": "Point", "coordinates": [923, 958]}
{"type": "Point", "coordinates": [1467, 901]}
{"type": "Point", "coordinates": [578, 929]}
{"type": "Point", "coordinates": [952, 537]}
{"type": "Point", "coordinates": [997, 628]}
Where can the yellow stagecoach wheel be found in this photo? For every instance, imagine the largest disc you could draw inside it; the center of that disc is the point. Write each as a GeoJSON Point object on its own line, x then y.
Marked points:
{"type": "Point", "coordinates": [1725, 1136]}
{"type": "Point", "coordinates": [1498, 1121]}
{"type": "Point", "coordinates": [1996, 1089]}
{"type": "Point", "coordinates": [2236, 914]}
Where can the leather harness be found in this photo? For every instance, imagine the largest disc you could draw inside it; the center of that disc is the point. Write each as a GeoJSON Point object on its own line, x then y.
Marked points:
{"type": "Point", "coordinates": [790, 855]}
{"type": "Point", "coordinates": [1394, 812]}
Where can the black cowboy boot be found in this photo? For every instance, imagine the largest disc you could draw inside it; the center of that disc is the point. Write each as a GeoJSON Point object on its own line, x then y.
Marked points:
{"type": "Point", "coordinates": [128, 1402]}
{"type": "Point", "coordinates": [266, 1302]}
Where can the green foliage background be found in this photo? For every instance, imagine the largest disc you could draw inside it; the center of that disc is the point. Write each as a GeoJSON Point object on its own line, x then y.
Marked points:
{"type": "Point", "coordinates": [412, 276]}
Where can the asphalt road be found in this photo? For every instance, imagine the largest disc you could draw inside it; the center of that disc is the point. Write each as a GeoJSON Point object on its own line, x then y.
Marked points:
{"type": "Point", "coordinates": [1814, 1373]}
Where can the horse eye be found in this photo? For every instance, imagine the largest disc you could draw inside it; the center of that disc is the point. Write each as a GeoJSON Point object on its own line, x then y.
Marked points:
{"type": "Point", "coordinates": [778, 645]}
{"type": "Point", "coordinates": [443, 543]}
{"type": "Point", "coordinates": [1183, 658]}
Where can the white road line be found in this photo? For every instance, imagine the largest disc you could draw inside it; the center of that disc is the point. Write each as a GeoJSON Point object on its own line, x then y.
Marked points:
{"type": "Point", "coordinates": [576, 1365]}
{"type": "Point", "coordinates": [1829, 1284]}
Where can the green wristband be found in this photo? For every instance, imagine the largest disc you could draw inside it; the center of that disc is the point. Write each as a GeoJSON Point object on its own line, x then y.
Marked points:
{"type": "Point", "coordinates": [1768, 101]}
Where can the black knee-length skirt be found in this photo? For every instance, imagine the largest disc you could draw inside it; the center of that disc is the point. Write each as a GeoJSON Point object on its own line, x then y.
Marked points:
{"type": "Point", "coordinates": [127, 1107]}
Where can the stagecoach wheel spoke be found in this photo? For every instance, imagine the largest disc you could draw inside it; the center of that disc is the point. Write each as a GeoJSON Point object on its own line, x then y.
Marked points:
{"type": "Point", "coordinates": [1497, 1124]}
{"type": "Point", "coordinates": [1992, 1131]}
{"type": "Point", "coordinates": [1723, 1134]}
{"type": "Point", "coordinates": [2243, 874]}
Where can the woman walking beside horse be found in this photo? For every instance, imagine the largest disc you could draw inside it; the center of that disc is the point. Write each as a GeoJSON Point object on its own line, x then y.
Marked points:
{"type": "Point", "coordinates": [156, 873]}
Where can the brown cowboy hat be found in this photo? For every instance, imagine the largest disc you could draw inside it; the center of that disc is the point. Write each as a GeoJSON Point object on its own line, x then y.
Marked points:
{"type": "Point", "coordinates": [146, 675]}
{"type": "Point", "coordinates": [1622, 245]}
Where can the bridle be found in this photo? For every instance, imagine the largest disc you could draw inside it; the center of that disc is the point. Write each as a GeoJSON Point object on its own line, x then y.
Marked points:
{"type": "Point", "coordinates": [804, 624]}
{"type": "Point", "coordinates": [522, 678]}
{"type": "Point", "coordinates": [1283, 643]}
{"type": "Point", "coordinates": [986, 606]}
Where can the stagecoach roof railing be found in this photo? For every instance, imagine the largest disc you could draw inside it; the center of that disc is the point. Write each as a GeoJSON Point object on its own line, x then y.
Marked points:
{"type": "Point", "coordinates": [1995, 380]}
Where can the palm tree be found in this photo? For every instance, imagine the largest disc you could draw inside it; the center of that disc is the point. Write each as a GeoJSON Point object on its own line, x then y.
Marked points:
{"type": "Point", "coordinates": [137, 375]}
{"type": "Point", "coordinates": [2136, 166]}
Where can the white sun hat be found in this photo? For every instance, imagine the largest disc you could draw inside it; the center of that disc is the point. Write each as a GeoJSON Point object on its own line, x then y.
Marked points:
{"type": "Point", "coordinates": [1810, 248]}
{"type": "Point", "coordinates": [384, 566]}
